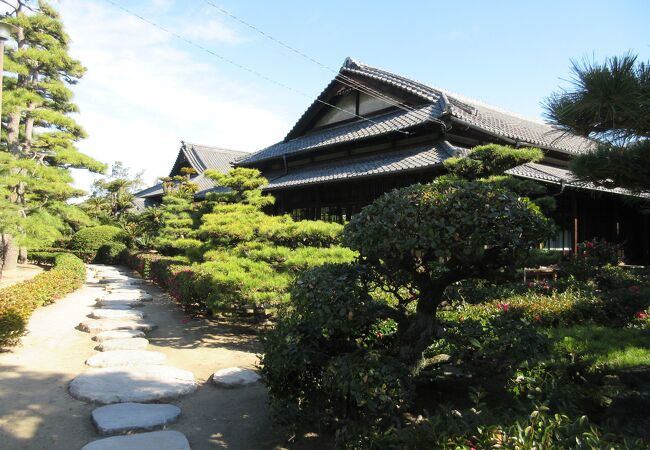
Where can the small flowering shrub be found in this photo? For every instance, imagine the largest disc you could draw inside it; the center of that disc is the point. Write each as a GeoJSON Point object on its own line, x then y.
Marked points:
{"type": "Point", "coordinates": [591, 257]}
{"type": "Point", "coordinates": [17, 302]}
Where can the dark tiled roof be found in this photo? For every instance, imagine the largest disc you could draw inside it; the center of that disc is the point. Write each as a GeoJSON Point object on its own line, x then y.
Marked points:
{"type": "Point", "coordinates": [383, 124]}
{"type": "Point", "coordinates": [418, 158]}
{"type": "Point", "coordinates": [489, 119]}
{"type": "Point", "coordinates": [485, 117]}
{"type": "Point", "coordinates": [201, 158]}
{"type": "Point", "coordinates": [558, 175]}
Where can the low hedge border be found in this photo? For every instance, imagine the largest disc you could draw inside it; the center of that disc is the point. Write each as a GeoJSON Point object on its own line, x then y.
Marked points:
{"type": "Point", "coordinates": [17, 302]}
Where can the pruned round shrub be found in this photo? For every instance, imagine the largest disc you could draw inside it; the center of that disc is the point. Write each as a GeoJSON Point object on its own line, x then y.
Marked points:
{"type": "Point", "coordinates": [110, 253]}
{"type": "Point", "coordinates": [91, 239]}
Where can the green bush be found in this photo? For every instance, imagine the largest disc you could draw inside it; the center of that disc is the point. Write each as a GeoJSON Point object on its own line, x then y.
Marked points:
{"type": "Point", "coordinates": [231, 282]}
{"type": "Point", "coordinates": [110, 253]}
{"type": "Point", "coordinates": [17, 302]}
{"type": "Point", "coordinates": [89, 240]}
{"type": "Point", "coordinates": [322, 362]}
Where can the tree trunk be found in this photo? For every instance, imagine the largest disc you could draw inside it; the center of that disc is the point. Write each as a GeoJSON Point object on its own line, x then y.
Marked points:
{"type": "Point", "coordinates": [13, 129]}
{"type": "Point", "coordinates": [9, 253]}
{"type": "Point", "coordinates": [421, 331]}
{"type": "Point", "coordinates": [22, 255]}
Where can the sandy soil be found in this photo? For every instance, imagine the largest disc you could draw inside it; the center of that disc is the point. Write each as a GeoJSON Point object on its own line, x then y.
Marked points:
{"type": "Point", "coordinates": [23, 272]}
{"type": "Point", "coordinates": [36, 411]}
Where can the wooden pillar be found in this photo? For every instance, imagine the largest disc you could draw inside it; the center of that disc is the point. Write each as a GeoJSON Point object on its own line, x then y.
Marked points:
{"type": "Point", "coordinates": [574, 215]}
{"type": "Point", "coordinates": [617, 224]}
{"type": "Point", "coordinates": [645, 231]}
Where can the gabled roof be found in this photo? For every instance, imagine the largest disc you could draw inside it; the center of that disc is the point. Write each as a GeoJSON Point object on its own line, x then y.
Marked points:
{"type": "Point", "coordinates": [387, 123]}
{"type": "Point", "coordinates": [561, 176]}
{"type": "Point", "coordinates": [438, 103]}
{"type": "Point", "coordinates": [200, 158]}
{"type": "Point", "coordinates": [392, 163]}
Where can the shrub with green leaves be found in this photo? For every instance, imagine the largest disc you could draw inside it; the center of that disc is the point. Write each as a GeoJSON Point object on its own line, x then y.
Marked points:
{"type": "Point", "coordinates": [326, 360]}
{"type": "Point", "coordinates": [17, 302]}
{"type": "Point", "coordinates": [89, 240]}
{"type": "Point", "coordinates": [111, 253]}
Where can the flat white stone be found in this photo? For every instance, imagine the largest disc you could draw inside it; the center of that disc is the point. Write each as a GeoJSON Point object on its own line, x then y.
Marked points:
{"type": "Point", "coordinates": [118, 306]}
{"type": "Point", "coordinates": [138, 343]}
{"type": "Point", "coordinates": [119, 358]}
{"type": "Point", "coordinates": [155, 440]}
{"type": "Point", "coordinates": [117, 334]}
{"type": "Point", "coordinates": [120, 302]}
{"type": "Point", "coordinates": [122, 281]}
{"type": "Point", "coordinates": [123, 291]}
{"type": "Point", "coordinates": [126, 296]}
{"type": "Point", "coordinates": [234, 377]}
{"type": "Point", "coordinates": [125, 417]}
{"type": "Point", "coordinates": [116, 314]}
{"type": "Point", "coordinates": [120, 285]}
{"type": "Point", "coordinates": [99, 325]}
{"type": "Point", "coordinates": [132, 384]}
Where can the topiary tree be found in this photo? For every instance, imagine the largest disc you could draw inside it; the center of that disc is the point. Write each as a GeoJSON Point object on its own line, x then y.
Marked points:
{"type": "Point", "coordinates": [489, 160]}
{"type": "Point", "coordinates": [423, 238]}
{"type": "Point", "coordinates": [490, 163]}
{"type": "Point", "coordinates": [177, 223]}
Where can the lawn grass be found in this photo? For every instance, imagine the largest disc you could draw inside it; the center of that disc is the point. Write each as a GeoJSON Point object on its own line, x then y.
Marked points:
{"type": "Point", "coordinates": [605, 348]}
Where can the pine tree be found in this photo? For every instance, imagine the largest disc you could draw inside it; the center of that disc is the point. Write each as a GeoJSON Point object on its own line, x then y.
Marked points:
{"type": "Point", "coordinates": [177, 230]}
{"type": "Point", "coordinates": [38, 147]}
{"type": "Point", "coordinates": [609, 102]}
{"type": "Point", "coordinates": [112, 197]}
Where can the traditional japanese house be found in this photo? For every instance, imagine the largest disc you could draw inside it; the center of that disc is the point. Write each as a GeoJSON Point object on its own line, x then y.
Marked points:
{"type": "Point", "coordinates": [197, 157]}
{"type": "Point", "coordinates": [371, 131]}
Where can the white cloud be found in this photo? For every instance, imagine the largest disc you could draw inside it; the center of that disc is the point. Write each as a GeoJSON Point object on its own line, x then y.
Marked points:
{"type": "Point", "coordinates": [211, 31]}
{"type": "Point", "coordinates": [143, 93]}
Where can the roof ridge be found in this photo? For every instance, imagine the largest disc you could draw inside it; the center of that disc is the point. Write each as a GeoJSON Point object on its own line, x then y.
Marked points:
{"type": "Point", "coordinates": [213, 148]}
{"type": "Point", "coordinates": [353, 64]}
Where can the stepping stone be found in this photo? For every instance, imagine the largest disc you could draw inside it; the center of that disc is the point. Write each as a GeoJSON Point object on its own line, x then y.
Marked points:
{"type": "Point", "coordinates": [117, 334]}
{"type": "Point", "coordinates": [125, 285]}
{"type": "Point", "coordinates": [119, 307]}
{"type": "Point", "coordinates": [119, 358]}
{"type": "Point", "coordinates": [112, 302]}
{"type": "Point", "coordinates": [116, 314]}
{"type": "Point", "coordinates": [132, 384]}
{"type": "Point", "coordinates": [122, 291]}
{"type": "Point", "coordinates": [99, 325]}
{"type": "Point", "coordinates": [155, 440]}
{"type": "Point", "coordinates": [126, 296]}
{"type": "Point", "coordinates": [123, 281]}
{"type": "Point", "coordinates": [138, 343]}
{"type": "Point", "coordinates": [233, 377]}
{"type": "Point", "coordinates": [125, 417]}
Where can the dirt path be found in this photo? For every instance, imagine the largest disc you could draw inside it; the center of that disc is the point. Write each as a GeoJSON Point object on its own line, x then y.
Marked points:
{"type": "Point", "coordinates": [23, 272]}
{"type": "Point", "coordinates": [36, 411]}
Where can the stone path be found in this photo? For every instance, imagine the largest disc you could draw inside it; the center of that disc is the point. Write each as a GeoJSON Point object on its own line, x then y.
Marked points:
{"type": "Point", "coordinates": [51, 399]}
{"type": "Point", "coordinates": [127, 373]}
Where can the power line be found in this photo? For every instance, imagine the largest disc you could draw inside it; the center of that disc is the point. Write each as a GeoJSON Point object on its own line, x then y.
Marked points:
{"type": "Point", "coordinates": [344, 79]}
{"type": "Point", "coordinates": [236, 64]}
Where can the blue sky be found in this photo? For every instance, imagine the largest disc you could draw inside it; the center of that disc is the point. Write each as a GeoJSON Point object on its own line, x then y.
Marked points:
{"type": "Point", "coordinates": [145, 90]}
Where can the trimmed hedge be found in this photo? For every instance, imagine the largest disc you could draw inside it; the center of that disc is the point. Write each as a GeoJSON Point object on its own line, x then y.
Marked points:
{"type": "Point", "coordinates": [253, 275]}
{"type": "Point", "coordinates": [17, 302]}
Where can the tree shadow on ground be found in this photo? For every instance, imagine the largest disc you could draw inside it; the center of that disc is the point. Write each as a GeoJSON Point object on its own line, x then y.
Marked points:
{"type": "Point", "coordinates": [37, 412]}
